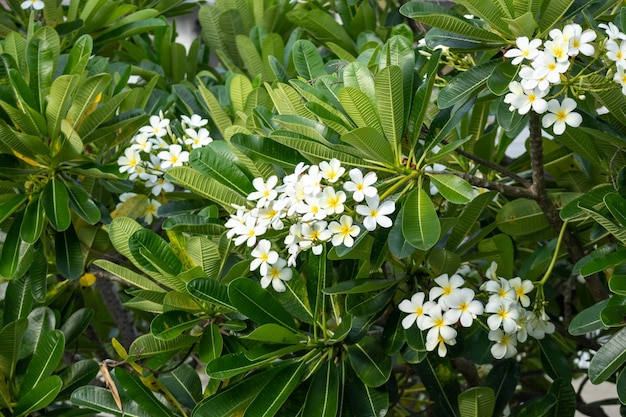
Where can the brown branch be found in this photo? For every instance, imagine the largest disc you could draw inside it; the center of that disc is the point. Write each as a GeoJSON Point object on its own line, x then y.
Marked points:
{"type": "Point", "coordinates": [504, 189]}
{"type": "Point", "coordinates": [512, 175]}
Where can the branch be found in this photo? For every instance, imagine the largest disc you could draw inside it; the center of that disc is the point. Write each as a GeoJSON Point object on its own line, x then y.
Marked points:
{"type": "Point", "coordinates": [504, 189]}
{"type": "Point", "coordinates": [512, 175]}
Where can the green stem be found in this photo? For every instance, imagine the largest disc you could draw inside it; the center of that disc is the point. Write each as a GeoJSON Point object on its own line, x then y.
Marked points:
{"type": "Point", "coordinates": [400, 183]}
{"type": "Point", "coordinates": [554, 256]}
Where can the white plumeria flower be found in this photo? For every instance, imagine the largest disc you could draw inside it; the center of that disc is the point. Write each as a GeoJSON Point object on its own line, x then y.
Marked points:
{"type": "Point", "coordinates": [521, 288]}
{"type": "Point", "coordinates": [612, 31]}
{"type": "Point", "coordinates": [558, 48]}
{"type": "Point", "coordinates": [248, 232]}
{"type": "Point", "coordinates": [491, 272]}
{"type": "Point", "coordinates": [332, 170]}
{"type": "Point", "coordinates": [522, 325]}
{"type": "Point", "coordinates": [376, 213]}
{"type": "Point", "coordinates": [311, 209]}
{"type": "Point", "coordinates": [617, 52]}
{"type": "Point", "coordinates": [235, 220]}
{"type": "Point", "coordinates": [130, 161]}
{"type": "Point", "coordinates": [263, 256]}
{"type": "Point", "coordinates": [332, 201]}
{"type": "Point", "coordinates": [197, 139]}
{"type": "Point", "coordinates": [526, 49]}
{"type": "Point", "coordinates": [620, 78]}
{"type": "Point", "coordinates": [500, 290]}
{"type": "Point", "coordinates": [441, 332]}
{"type": "Point", "coordinates": [159, 184]}
{"type": "Point", "coordinates": [141, 172]}
{"type": "Point", "coordinates": [158, 127]}
{"type": "Point", "coordinates": [265, 191]}
{"type": "Point", "coordinates": [272, 214]}
{"type": "Point", "coordinates": [547, 70]}
{"type": "Point", "coordinates": [151, 210]}
{"type": "Point", "coordinates": [528, 99]}
{"type": "Point", "coordinates": [446, 287]}
{"type": "Point", "coordinates": [34, 4]}
{"type": "Point", "coordinates": [505, 346]}
{"type": "Point", "coordinates": [312, 181]}
{"type": "Point", "coordinates": [538, 326]}
{"type": "Point", "coordinates": [276, 275]}
{"type": "Point", "coordinates": [344, 231]}
{"type": "Point", "coordinates": [561, 114]}
{"type": "Point", "coordinates": [580, 41]}
{"type": "Point", "coordinates": [504, 314]}
{"type": "Point", "coordinates": [463, 306]}
{"type": "Point", "coordinates": [313, 235]}
{"type": "Point", "coordinates": [196, 121]}
{"type": "Point", "coordinates": [174, 157]}
{"type": "Point", "coordinates": [361, 186]}
{"type": "Point", "coordinates": [141, 143]}
{"type": "Point", "coordinates": [416, 309]}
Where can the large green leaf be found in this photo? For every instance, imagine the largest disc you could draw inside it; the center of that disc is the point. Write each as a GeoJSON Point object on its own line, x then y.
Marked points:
{"type": "Point", "coordinates": [68, 253]}
{"type": "Point", "coordinates": [495, 13]}
{"type": "Point", "coordinates": [172, 324]}
{"type": "Point", "coordinates": [40, 321]}
{"type": "Point", "coordinates": [503, 378]}
{"type": "Point", "coordinates": [322, 26]}
{"type": "Point", "coordinates": [587, 320]}
{"type": "Point", "coordinates": [551, 12]}
{"type": "Point", "coordinates": [34, 221]}
{"type": "Point", "coordinates": [11, 337]}
{"type": "Point", "coordinates": [364, 401]}
{"type": "Point", "coordinates": [220, 164]}
{"type": "Point", "coordinates": [127, 275]}
{"type": "Point", "coordinates": [141, 394]}
{"type": "Point", "coordinates": [276, 391]}
{"type": "Point", "coordinates": [256, 303]}
{"type": "Point", "coordinates": [372, 143]}
{"type": "Point", "coordinates": [10, 204]}
{"type": "Point", "coordinates": [390, 103]}
{"type": "Point", "coordinates": [153, 253]}
{"type": "Point", "coordinates": [609, 358]}
{"type": "Point", "coordinates": [184, 384]}
{"type": "Point", "coordinates": [211, 343]}
{"type": "Point", "coordinates": [442, 384]}
{"type": "Point", "coordinates": [371, 364]}
{"type": "Point", "coordinates": [82, 204]}
{"type": "Point", "coordinates": [16, 255]}
{"type": "Point", "coordinates": [42, 53]}
{"type": "Point", "coordinates": [538, 407]}
{"type": "Point", "coordinates": [18, 300]}
{"type": "Point", "coordinates": [45, 359]}
{"type": "Point", "coordinates": [444, 18]}
{"type": "Point", "coordinates": [148, 345]}
{"type": "Point", "coordinates": [322, 399]}
{"type": "Point", "coordinates": [420, 224]}
{"type": "Point", "coordinates": [77, 375]}
{"type": "Point", "coordinates": [56, 203]}
{"type": "Point", "coordinates": [360, 107]}
{"type": "Point", "coordinates": [476, 402]}
{"type": "Point", "coordinates": [233, 364]}
{"type": "Point", "coordinates": [219, 116]}
{"type": "Point", "coordinates": [521, 217]}
{"type": "Point", "coordinates": [357, 77]}
{"type": "Point", "coordinates": [454, 189]}
{"type": "Point", "coordinates": [464, 85]}
{"type": "Point", "coordinates": [101, 400]}
{"type": "Point", "coordinates": [60, 101]}
{"type": "Point", "coordinates": [206, 187]}
{"type": "Point", "coordinates": [79, 55]}
{"type": "Point", "coordinates": [211, 291]}
{"type": "Point", "coordinates": [422, 99]}
{"type": "Point", "coordinates": [77, 324]}
{"type": "Point", "coordinates": [261, 149]}
{"type": "Point", "coordinates": [307, 60]}
{"type": "Point", "coordinates": [565, 394]}
{"type": "Point", "coordinates": [39, 397]}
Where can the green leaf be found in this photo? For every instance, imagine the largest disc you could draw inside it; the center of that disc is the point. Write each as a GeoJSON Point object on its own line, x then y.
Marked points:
{"type": "Point", "coordinates": [132, 278]}
{"type": "Point", "coordinates": [79, 55]}
{"type": "Point", "coordinates": [551, 13]}
{"type": "Point", "coordinates": [322, 26]}
{"type": "Point", "coordinates": [602, 258]}
{"type": "Point", "coordinates": [16, 255]}
{"type": "Point", "coordinates": [617, 206]}
{"type": "Point", "coordinates": [78, 374]}
{"type": "Point", "coordinates": [68, 253]}
{"type": "Point", "coordinates": [444, 18]}
{"type": "Point", "coordinates": [322, 399]}
{"type": "Point", "coordinates": [538, 407]}
{"type": "Point", "coordinates": [153, 253]}
{"type": "Point", "coordinates": [221, 166]}
{"type": "Point", "coordinates": [233, 364]}
{"type": "Point", "coordinates": [172, 324]}
{"type": "Point", "coordinates": [141, 394]}
{"type": "Point", "coordinates": [18, 300]}
{"type": "Point", "coordinates": [609, 358]}
{"type": "Point", "coordinates": [11, 337]}
{"type": "Point", "coordinates": [587, 320]}
{"type": "Point", "coordinates": [101, 400]}
{"type": "Point", "coordinates": [307, 60]}
{"type": "Point", "coordinates": [38, 274]}
{"type": "Point", "coordinates": [454, 189]}
{"type": "Point", "coordinates": [211, 343]}
{"type": "Point", "coordinates": [276, 391]}
{"type": "Point", "coordinates": [592, 198]}
{"type": "Point", "coordinates": [40, 321]}
{"type": "Point", "coordinates": [371, 364]}
{"type": "Point", "coordinates": [9, 205]}
{"type": "Point", "coordinates": [234, 398]}
{"type": "Point", "coordinates": [147, 345]}
{"type": "Point", "coordinates": [39, 397]}
{"type": "Point", "coordinates": [273, 333]}
{"type": "Point", "coordinates": [360, 108]}
{"type": "Point", "coordinates": [420, 224]}
{"type": "Point", "coordinates": [617, 231]}
{"type": "Point", "coordinates": [266, 150]}
{"type": "Point", "coordinates": [521, 217]}
{"type": "Point", "coordinates": [464, 85]}
{"type": "Point", "coordinates": [502, 75]}
{"type": "Point", "coordinates": [364, 401]}
{"type": "Point", "coordinates": [371, 142]}
{"type": "Point", "coordinates": [184, 384]}
{"type": "Point", "coordinates": [612, 314]}
{"type": "Point", "coordinates": [205, 186]}
{"type": "Point", "coordinates": [56, 203]}
{"type": "Point", "coordinates": [398, 244]}
{"type": "Point", "coordinates": [256, 303]}
{"type": "Point", "coordinates": [390, 103]}
{"type": "Point", "coordinates": [82, 204]}
{"type": "Point", "coordinates": [45, 359]}
{"type": "Point", "coordinates": [392, 338]}
{"type": "Point", "coordinates": [553, 360]}
{"type": "Point", "coordinates": [495, 14]}
{"type": "Point", "coordinates": [211, 291]}
{"type": "Point", "coordinates": [617, 284]}
{"type": "Point", "coordinates": [60, 100]}
{"type": "Point", "coordinates": [33, 221]}
{"type": "Point", "coordinates": [503, 378]}
{"type": "Point", "coordinates": [620, 386]}
{"type": "Point", "coordinates": [442, 384]}
{"type": "Point", "coordinates": [357, 78]}
{"type": "Point", "coordinates": [476, 402]}
{"type": "Point", "coordinates": [565, 405]}
{"type": "Point", "coordinates": [503, 253]}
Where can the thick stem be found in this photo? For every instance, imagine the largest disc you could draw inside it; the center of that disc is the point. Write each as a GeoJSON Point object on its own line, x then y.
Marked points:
{"type": "Point", "coordinates": [575, 251]}
{"type": "Point", "coordinates": [504, 189]}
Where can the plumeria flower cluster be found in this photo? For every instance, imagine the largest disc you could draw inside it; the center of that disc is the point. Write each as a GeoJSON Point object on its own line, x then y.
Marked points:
{"type": "Point", "coordinates": [32, 4]}
{"type": "Point", "coordinates": [156, 148]}
{"type": "Point", "coordinates": [313, 205]}
{"type": "Point", "coordinates": [451, 304]}
{"type": "Point", "coordinates": [544, 65]}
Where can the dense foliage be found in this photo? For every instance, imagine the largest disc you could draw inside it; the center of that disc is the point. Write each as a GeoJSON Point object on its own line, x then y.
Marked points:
{"type": "Point", "coordinates": [313, 209]}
